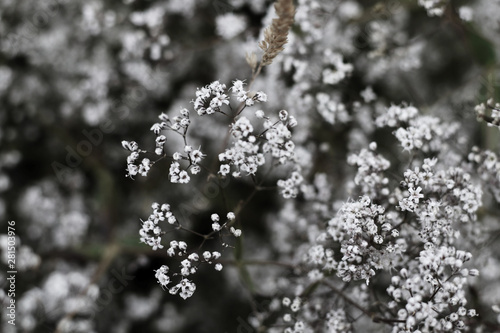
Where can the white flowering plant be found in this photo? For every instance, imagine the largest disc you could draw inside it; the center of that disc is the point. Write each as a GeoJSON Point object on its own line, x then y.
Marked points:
{"type": "Point", "coordinates": [284, 166]}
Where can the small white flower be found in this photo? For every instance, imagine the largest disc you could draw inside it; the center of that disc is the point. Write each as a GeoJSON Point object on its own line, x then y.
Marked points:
{"type": "Point", "coordinates": [292, 122]}
{"type": "Point", "coordinates": [157, 243]}
{"type": "Point", "coordinates": [224, 169]}
{"type": "Point", "coordinates": [156, 128]}
{"type": "Point", "coordinates": [130, 145]}
{"type": "Point", "coordinates": [132, 169]}
{"type": "Point", "coordinates": [260, 96]}
{"type": "Point", "coordinates": [184, 177]}
{"type": "Point", "coordinates": [295, 305]}
{"type": "Point", "coordinates": [163, 117]}
{"type": "Point", "coordinates": [196, 156]}
{"type": "Point", "coordinates": [283, 114]}
{"type": "Point", "coordinates": [163, 279]}
{"type": "Point", "coordinates": [235, 232]}
{"type": "Point", "coordinates": [195, 169]}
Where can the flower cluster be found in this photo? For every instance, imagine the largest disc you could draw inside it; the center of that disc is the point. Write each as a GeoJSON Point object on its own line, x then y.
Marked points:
{"type": "Point", "coordinates": [278, 138]}
{"type": "Point", "coordinates": [494, 118]}
{"type": "Point", "coordinates": [249, 149]}
{"type": "Point", "coordinates": [368, 240]}
{"type": "Point", "coordinates": [194, 156]}
{"type": "Point", "coordinates": [340, 71]}
{"type": "Point", "coordinates": [488, 168]}
{"type": "Point", "coordinates": [188, 266]}
{"type": "Point", "coordinates": [430, 293]}
{"type": "Point", "coordinates": [426, 133]}
{"type": "Point", "coordinates": [151, 233]}
{"type": "Point", "coordinates": [132, 168]}
{"type": "Point", "coordinates": [332, 111]}
{"type": "Point", "coordinates": [185, 288]}
{"type": "Point", "coordinates": [411, 228]}
{"type": "Point", "coordinates": [294, 305]}
{"type": "Point", "coordinates": [336, 321]}
{"type": "Point", "coordinates": [26, 259]}
{"type": "Point", "coordinates": [151, 229]}
{"type": "Point", "coordinates": [210, 98]}
{"type": "Point", "coordinates": [396, 114]}
{"type": "Point", "coordinates": [244, 155]}
{"type": "Point", "coordinates": [178, 124]}
{"type": "Point", "coordinates": [217, 227]}
{"type": "Point", "coordinates": [289, 187]}
{"type": "Point", "coordinates": [448, 196]}
{"type": "Point", "coordinates": [433, 7]}
{"type": "Point", "coordinates": [247, 97]}
{"type": "Point", "coordinates": [370, 176]}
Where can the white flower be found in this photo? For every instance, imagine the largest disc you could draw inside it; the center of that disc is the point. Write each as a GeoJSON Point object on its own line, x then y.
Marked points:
{"type": "Point", "coordinates": [157, 243]}
{"type": "Point", "coordinates": [184, 177]}
{"type": "Point", "coordinates": [260, 96]}
{"type": "Point", "coordinates": [368, 95]}
{"type": "Point", "coordinates": [132, 169]}
{"type": "Point", "coordinates": [157, 127]}
{"type": "Point", "coordinates": [196, 156]}
{"type": "Point", "coordinates": [195, 169]}
{"type": "Point", "coordinates": [132, 157]}
{"type": "Point", "coordinates": [235, 232]}
{"type": "Point", "coordinates": [130, 145]}
{"type": "Point", "coordinates": [162, 278]}
{"type": "Point", "coordinates": [283, 114]}
{"type": "Point", "coordinates": [224, 169]}
{"type": "Point", "coordinates": [203, 105]}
